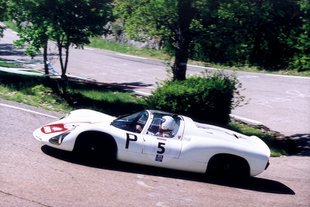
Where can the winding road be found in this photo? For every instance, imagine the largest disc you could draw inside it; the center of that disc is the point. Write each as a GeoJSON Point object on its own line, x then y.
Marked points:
{"type": "Point", "coordinates": [31, 175]}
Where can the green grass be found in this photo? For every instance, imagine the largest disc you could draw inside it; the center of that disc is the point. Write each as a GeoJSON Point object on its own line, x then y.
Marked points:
{"type": "Point", "coordinates": [108, 96]}
{"type": "Point", "coordinates": [8, 64]}
{"type": "Point", "coordinates": [11, 25]}
{"type": "Point", "coordinates": [37, 91]}
{"type": "Point", "coordinates": [31, 96]}
{"type": "Point", "coordinates": [277, 148]}
{"type": "Point", "coordinates": [42, 96]}
{"type": "Point", "coordinates": [100, 43]}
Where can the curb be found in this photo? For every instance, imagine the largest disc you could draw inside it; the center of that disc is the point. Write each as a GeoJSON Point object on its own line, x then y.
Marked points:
{"type": "Point", "coordinates": [246, 120]}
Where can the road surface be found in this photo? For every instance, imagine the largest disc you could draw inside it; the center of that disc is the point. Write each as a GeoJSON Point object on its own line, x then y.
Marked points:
{"type": "Point", "coordinates": [31, 176]}
{"type": "Point", "coordinates": [282, 103]}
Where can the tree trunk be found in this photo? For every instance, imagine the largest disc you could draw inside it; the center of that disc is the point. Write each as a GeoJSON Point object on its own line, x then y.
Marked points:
{"type": "Point", "coordinates": [45, 57]}
{"type": "Point", "coordinates": [63, 64]}
{"type": "Point", "coordinates": [257, 34]}
{"type": "Point", "coordinates": [183, 39]}
{"type": "Point", "coordinates": [181, 58]}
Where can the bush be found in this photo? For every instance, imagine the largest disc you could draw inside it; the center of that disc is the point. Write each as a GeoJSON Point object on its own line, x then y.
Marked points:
{"type": "Point", "coordinates": [301, 62]}
{"type": "Point", "coordinates": [206, 99]}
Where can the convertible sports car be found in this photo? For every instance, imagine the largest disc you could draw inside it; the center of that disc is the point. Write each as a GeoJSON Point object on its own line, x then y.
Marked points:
{"type": "Point", "coordinates": [159, 139]}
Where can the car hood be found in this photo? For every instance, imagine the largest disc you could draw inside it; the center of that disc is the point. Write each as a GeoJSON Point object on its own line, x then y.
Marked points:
{"type": "Point", "coordinates": [87, 116]}
{"type": "Point", "coordinates": [71, 121]}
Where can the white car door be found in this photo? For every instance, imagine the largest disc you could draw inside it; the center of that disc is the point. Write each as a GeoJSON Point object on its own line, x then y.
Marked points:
{"type": "Point", "coordinates": [160, 149]}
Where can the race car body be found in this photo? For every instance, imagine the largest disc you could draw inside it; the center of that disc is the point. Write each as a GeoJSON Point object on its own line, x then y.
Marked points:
{"type": "Point", "coordinates": [159, 139]}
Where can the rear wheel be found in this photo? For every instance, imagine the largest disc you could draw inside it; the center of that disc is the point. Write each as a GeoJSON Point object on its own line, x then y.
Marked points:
{"type": "Point", "coordinates": [94, 147]}
{"type": "Point", "coordinates": [228, 166]}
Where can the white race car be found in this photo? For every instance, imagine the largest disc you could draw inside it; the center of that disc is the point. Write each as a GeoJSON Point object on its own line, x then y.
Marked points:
{"type": "Point", "coordinates": [159, 139]}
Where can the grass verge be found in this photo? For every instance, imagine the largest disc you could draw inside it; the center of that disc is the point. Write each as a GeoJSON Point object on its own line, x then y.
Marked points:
{"type": "Point", "coordinates": [40, 92]}
{"type": "Point", "coordinates": [8, 64]}
{"type": "Point", "coordinates": [277, 147]}
{"type": "Point", "coordinates": [100, 43]}
{"type": "Point", "coordinates": [11, 25]}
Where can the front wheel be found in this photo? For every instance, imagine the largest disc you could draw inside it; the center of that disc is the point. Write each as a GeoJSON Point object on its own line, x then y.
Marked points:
{"type": "Point", "coordinates": [95, 148]}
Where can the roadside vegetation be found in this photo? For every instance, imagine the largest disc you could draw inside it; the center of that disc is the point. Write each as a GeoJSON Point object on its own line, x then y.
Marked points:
{"type": "Point", "coordinates": [111, 45]}
{"type": "Point", "coordinates": [8, 64]}
{"type": "Point", "coordinates": [99, 42]}
{"type": "Point", "coordinates": [278, 147]}
{"type": "Point", "coordinates": [44, 92]}
{"type": "Point", "coordinates": [208, 98]}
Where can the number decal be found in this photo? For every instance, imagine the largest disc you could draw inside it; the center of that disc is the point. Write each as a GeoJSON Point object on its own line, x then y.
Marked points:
{"type": "Point", "coordinates": [159, 158]}
{"type": "Point", "coordinates": [130, 138]}
{"type": "Point", "coordinates": [161, 148]}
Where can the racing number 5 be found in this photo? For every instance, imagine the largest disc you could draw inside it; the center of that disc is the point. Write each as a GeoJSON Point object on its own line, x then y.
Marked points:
{"type": "Point", "coordinates": [161, 148]}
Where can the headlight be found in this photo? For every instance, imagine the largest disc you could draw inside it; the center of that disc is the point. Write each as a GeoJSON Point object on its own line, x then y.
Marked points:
{"type": "Point", "coordinates": [57, 140]}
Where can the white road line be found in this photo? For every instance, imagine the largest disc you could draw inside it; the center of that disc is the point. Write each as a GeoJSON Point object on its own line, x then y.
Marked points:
{"type": "Point", "coordinates": [246, 120]}
{"type": "Point", "coordinates": [141, 93]}
{"type": "Point", "coordinates": [132, 56]}
{"type": "Point", "coordinates": [27, 110]}
{"type": "Point", "coordinates": [263, 74]}
{"type": "Point", "coordinates": [203, 67]}
{"type": "Point", "coordinates": [88, 48]}
{"type": "Point", "coordinates": [286, 76]}
{"type": "Point", "coordinates": [143, 184]}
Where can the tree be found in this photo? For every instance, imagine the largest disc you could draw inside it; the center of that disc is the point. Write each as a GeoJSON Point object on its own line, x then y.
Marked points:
{"type": "Point", "coordinates": [66, 22]}
{"type": "Point", "coordinates": [254, 32]}
{"type": "Point", "coordinates": [73, 22]}
{"type": "Point", "coordinates": [168, 19]}
{"type": "Point", "coordinates": [3, 8]}
{"type": "Point", "coordinates": [31, 20]}
{"type": "Point", "coordinates": [301, 59]}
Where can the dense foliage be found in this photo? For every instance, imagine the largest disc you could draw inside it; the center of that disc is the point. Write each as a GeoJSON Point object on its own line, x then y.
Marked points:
{"type": "Point", "coordinates": [207, 99]}
{"type": "Point", "coordinates": [3, 8]}
{"type": "Point", "coordinates": [271, 34]}
{"type": "Point", "coordinates": [301, 59]}
{"type": "Point", "coordinates": [262, 32]}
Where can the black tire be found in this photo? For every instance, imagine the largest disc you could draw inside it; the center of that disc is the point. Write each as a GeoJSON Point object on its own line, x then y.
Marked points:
{"type": "Point", "coordinates": [228, 167]}
{"type": "Point", "coordinates": [95, 147]}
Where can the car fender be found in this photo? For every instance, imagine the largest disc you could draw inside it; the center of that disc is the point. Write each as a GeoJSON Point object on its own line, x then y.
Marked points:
{"type": "Point", "coordinates": [70, 141]}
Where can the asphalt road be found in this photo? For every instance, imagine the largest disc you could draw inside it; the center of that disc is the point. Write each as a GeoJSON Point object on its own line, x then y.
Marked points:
{"type": "Point", "coordinates": [282, 103]}
{"type": "Point", "coordinates": [35, 176]}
